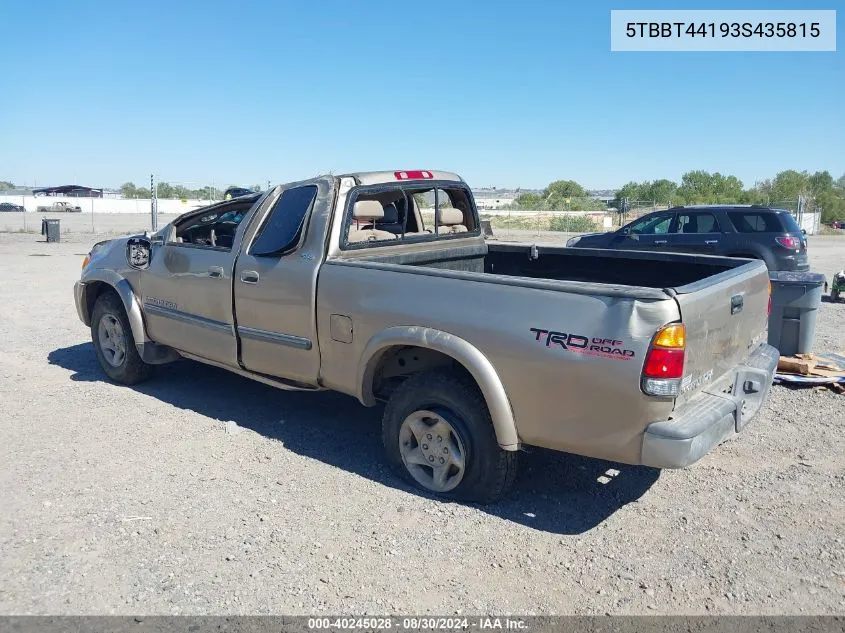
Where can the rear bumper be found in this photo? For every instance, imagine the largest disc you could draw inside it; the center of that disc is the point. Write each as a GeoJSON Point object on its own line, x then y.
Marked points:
{"type": "Point", "coordinates": [713, 416]}
{"type": "Point", "coordinates": [798, 263]}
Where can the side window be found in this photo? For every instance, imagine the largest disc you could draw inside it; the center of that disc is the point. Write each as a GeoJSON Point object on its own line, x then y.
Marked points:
{"type": "Point", "coordinates": [652, 225]}
{"type": "Point", "coordinates": [283, 227]}
{"type": "Point", "coordinates": [753, 222]}
{"type": "Point", "coordinates": [210, 228]}
{"type": "Point", "coordinates": [697, 223]}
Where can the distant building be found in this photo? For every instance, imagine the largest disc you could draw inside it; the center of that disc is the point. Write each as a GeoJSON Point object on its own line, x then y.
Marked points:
{"type": "Point", "coordinates": [70, 191]}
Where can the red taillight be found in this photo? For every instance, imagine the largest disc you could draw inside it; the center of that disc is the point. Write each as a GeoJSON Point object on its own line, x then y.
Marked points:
{"type": "Point", "coordinates": [413, 175]}
{"type": "Point", "coordinates": [664, 363]}
{"type": "Point", "coordinates": [787, 241]}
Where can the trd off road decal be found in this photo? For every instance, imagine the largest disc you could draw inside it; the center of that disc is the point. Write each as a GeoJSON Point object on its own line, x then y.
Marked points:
{"type": "Point", "coordinates": [579, 344]}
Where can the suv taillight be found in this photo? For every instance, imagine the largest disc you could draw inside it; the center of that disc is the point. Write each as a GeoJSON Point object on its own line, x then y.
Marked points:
{"type": "Point", "coordinates": [664, 362]}
{"type": "Point", "coordinates": [787, 241]}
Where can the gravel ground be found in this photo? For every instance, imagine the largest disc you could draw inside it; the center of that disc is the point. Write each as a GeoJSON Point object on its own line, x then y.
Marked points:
{"type": "Point", "coordinates": [201, 492]}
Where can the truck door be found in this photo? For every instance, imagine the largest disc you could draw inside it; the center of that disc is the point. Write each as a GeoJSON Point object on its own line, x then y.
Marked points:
{"type": "Point", "coordinates": [275, 286]}
{"type": "Point", "coordinates": [695, 232]}
{"type": "Point", "coordinates": [188, 300]}
{"type": "Point", "coordinates": [187, 289]}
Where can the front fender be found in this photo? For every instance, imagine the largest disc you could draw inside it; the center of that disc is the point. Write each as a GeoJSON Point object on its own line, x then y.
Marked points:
{"type": "Point", "coordinates": [124, 290]}
{"type": "Point", "coordinates": [478, 365]}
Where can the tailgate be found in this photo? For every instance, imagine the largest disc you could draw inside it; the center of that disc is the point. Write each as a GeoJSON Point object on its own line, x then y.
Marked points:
{"type": "Point", "coordinates": [724, 316]}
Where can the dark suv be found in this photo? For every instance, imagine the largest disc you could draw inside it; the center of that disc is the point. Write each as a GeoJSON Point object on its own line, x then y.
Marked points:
{"type": "Point", "coordinates": [755, 232]}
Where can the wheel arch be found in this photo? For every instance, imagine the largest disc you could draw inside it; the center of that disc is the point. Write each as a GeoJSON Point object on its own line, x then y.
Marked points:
{"type": "Point", "coordinates": [477, 365]}
{"type": "Point", "coordinates": [109, 281]}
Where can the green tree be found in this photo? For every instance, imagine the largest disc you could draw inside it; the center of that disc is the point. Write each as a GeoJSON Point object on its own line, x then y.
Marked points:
{"type": "Point", "coordinates": [165, 191]}
{"type": "Point", "coordinates": [700, 186]}
{"type": "Point", "coordinates": [662, 191]}
{"type": "Point", "coordinates": [564, 189]}
{"type": "Point", "coordinates": [128, 190]}
{"type": "Point", "coordinates": [790, 184]}
{"type": "Point", "coordinates": [528, 200]}
{"type": "Point", "coordinates": [820, 182]}
{"type": "Point", "coordinates": [696, 186]}
{"type": "Point", "coordinates": [632, 191]}
{"type": "Point", "coordinates": [5, 185]}
{"type": "Point", "coordinates": [754, 195]}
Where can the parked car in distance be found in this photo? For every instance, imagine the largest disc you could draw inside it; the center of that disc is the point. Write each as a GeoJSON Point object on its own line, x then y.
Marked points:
{"type": "Point", "coordinates": [753, 232]}
{"type": "Point", "coordinates": [59, 207]}
{"type": "Point", "coordinates": [236, 192]}
{"type": "Point", "coordinates": [10, 208]}
{"type": "Point", "coordinates": [341, 282]}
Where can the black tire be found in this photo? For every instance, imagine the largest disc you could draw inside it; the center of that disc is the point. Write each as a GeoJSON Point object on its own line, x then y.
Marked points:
{"type": "Point", "coordinates": [132, 369]}
{"type": "Point", "coordinates": [834, 295]}
{"type": "Point", "coordinates": [489, 471]}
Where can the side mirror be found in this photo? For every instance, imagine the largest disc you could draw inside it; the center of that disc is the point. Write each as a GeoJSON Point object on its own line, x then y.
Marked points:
{"type": "Point", "coordinates": [803, 231]}
{"type": "Point", "coordinates": [138, 252]}
{"type": "Point", "coordinates": [625, 230]}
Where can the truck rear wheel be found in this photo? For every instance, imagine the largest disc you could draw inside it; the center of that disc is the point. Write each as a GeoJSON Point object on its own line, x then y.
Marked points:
{"type": "Point", "coordinates": [438, 435]}
{"type": "Point", "coordinates": [114, 344]}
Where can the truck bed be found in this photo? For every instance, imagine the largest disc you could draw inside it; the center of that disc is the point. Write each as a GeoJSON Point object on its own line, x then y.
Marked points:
{"type": "Point", "coordinates": [629, 268]}
{"type": "Point", "coordinates": [628, 271]}
{"type": "Point", "coordinates": [702, 287]}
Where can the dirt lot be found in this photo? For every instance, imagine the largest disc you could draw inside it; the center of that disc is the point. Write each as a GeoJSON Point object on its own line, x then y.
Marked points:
{"type": "Point", "coordinates": [202, 492]}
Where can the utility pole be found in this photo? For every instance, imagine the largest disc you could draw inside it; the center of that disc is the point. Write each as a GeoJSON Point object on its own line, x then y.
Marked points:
{"type": "Point", "coordinates": [153, 204]}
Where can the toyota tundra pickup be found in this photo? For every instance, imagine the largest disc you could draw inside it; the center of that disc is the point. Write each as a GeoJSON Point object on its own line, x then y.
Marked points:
{"type": "Point", "coordinates": [381, 285]}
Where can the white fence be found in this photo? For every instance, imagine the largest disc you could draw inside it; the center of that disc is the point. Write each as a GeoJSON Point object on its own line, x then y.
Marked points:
{"type": "Point", "coordinates": [106, 205]}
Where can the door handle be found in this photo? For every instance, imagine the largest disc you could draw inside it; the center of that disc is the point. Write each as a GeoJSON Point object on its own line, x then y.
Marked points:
{"type": "Point", "coordinates": [660, 242]}
{"type": "Point", "coordinates": [249, 277]}
{"type": "Point", "coordinates": [711, 242]}
{"type": "Point", "coordinates": [215, 271]}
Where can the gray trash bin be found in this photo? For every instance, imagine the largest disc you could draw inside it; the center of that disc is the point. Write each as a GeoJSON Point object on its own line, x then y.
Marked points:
{"type": "Point", "coordinates": [51, 229]}
{"type": "Point", "coordinates": [796, 298]}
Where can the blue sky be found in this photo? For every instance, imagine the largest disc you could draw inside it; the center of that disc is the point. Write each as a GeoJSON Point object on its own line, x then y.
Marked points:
{"type": "Point", "coordinates": [506, 93]}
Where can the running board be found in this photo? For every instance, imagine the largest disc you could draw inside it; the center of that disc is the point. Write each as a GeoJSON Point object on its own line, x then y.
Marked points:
{"type": "Point", "coordinates": [273, 381]}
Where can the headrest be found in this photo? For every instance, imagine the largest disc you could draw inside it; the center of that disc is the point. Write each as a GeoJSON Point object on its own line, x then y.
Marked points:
{"type": "Point", "coordinates": [368, 210]}
{"type": "Point", "coordinates": [391, 214]}
{"type": "Point", "coordinates": [450, 216]}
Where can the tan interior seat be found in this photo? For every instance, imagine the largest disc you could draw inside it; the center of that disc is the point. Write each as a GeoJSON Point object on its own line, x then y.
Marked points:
{"type": "Point", "coordinates": [367, 212]}
{"type": "Point", "coordinates": [451, 220]}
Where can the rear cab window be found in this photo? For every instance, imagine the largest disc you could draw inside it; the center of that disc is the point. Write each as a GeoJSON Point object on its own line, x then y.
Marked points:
{"type": "Point", "coordinates": [391, 214]}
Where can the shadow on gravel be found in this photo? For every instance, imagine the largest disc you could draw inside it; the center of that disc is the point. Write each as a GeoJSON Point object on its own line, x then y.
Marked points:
{"type": "Point", "coordinates": [555, 492]}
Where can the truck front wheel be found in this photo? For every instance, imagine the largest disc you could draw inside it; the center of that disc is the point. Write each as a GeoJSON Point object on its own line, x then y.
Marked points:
{"type": "Point", "coordinates": [113, 342]}
{"type": "Point", "coordinates": [438, 435]}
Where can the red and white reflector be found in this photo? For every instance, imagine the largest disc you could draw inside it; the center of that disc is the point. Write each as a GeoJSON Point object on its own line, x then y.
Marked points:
{"type": "Point", "coordinates": [413, 175]}
{"type": "Point", "coordinates": [787, 241]}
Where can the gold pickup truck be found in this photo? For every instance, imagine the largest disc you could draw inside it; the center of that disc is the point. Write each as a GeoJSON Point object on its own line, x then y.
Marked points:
{"type": "Point", "coordinates": [381, 285]}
